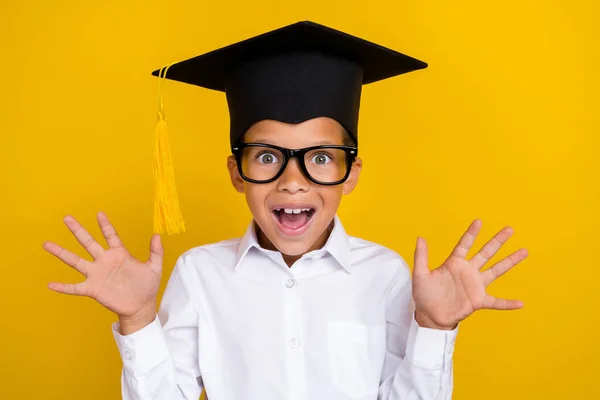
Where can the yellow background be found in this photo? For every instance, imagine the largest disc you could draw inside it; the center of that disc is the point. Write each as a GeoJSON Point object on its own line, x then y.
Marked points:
{"type": "Point", "coordinates": [502, 126]}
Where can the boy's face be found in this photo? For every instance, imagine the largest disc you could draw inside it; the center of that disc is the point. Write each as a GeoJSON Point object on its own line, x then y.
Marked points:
{"type": "Point", "coordinates": [294, 235]}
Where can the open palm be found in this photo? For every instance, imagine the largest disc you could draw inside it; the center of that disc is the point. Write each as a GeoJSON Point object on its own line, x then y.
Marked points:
{"type": "Point", "coordinates": [450, 293]}
{"type": "Point", "coordinates": [115, 278]}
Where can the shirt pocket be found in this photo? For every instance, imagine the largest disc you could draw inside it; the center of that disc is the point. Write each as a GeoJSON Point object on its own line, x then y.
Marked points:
{"type": "Point", "coordinates": [356, 353]}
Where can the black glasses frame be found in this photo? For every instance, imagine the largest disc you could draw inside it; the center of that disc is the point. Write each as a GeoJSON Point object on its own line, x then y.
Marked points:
{"type": "Point", "coordinates": [351, 153]}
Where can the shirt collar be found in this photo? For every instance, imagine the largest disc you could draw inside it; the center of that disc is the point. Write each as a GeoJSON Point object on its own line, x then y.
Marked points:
{"type": "Point", "coordinates": [248, 241]}
{"type": "Point", "coordinates": [337, 245]}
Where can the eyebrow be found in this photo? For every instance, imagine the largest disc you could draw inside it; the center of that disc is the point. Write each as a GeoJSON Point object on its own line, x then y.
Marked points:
{"type": "Point", "coordinates": [321, 143]}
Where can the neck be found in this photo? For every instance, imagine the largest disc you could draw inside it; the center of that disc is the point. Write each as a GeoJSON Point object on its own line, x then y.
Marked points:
{"type": "Point", "coordinates": [265, 243]}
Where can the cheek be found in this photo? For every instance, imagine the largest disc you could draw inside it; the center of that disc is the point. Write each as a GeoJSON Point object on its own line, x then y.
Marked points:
{"type": "Point", "coordinates": [256, 196]}
{"type": "Point", "coordinates": [331, 197]}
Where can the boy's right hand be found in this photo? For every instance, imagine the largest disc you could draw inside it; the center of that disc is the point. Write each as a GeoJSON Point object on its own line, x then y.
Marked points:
{"type": "Point", "coordinates": [115, 278]}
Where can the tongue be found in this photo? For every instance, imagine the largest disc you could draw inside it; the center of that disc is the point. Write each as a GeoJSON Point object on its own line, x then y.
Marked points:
{"type": "Point", "coordinates": [293, 221]}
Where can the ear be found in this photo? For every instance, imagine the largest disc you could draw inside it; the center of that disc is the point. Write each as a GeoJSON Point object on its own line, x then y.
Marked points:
{"type": "Point", "coordinates": [352, 180]}
{"type": "Point", "coordinates": [234, 174]}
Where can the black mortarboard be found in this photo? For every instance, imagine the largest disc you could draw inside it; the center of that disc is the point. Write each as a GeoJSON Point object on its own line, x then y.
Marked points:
{"type": "Point", "coordinates": [292, 74]}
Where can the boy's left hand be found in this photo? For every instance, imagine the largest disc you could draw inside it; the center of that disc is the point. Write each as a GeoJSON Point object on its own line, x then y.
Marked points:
{"type": "Point", "coordinates": [450, 293]}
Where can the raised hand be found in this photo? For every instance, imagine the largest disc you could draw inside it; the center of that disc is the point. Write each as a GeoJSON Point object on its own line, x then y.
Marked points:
{"type": "Point", "coordinates": [450, 293]}
{"type": "Point", "coordinates": [115, 278]}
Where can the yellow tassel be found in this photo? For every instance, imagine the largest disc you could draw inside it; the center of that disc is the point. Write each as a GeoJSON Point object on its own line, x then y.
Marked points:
{"type": "Point", "coordinates": [167, 214]}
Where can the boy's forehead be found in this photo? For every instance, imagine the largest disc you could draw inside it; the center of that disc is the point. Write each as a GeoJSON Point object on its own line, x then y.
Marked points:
{"type": "Point", "coordinates": [312, 132]}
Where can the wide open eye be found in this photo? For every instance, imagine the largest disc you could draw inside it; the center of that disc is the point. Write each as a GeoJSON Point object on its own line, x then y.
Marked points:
{"type": "Point", "coordinates": [321, 159]}
{"type": "Point", "coordinates": [267, 157]}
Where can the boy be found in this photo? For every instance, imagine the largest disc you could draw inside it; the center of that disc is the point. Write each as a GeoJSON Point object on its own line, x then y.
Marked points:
{"type": "Point", "coordinates": [295, 309]}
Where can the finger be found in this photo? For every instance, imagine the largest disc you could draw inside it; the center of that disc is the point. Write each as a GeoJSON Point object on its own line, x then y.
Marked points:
{"type": "Point", "coordinates": [492, 303]}
{"type": "Point", "coordinates": [468, 238]}
{"type": "Point", "coordinates": [83, 237]}
{"type": "Point", "coordinates": [421, 264]}
{"type": "Point", "coordinates": [501, 267]}
{"type": "Point", "coordinates": [491, 248]}
{"type": "Point", "coordinates": [77, 289]}
{"type": "Point", "coordinates": [110, 234]}
{"type": "Point", "coordinates": [156, 250]}
{"type": "Point", "coordinates": [67, 257]}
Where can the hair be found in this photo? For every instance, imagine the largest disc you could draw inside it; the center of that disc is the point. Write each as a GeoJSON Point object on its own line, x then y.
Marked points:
{"type": "Point", "coordinates": [348, 140]}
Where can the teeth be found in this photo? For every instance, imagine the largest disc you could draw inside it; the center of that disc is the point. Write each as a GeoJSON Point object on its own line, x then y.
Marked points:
{"type": "Point", "coordinates": [293, 210]}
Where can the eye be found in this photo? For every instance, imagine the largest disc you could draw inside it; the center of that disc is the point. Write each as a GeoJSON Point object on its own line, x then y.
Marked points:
{"type": "Point", "coordinates": [321, 158]}
{"type": "Point", "coordinates": [266, 157]}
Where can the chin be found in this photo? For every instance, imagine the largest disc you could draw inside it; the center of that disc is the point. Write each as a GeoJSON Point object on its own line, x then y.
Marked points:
{"type": "Point", "coordinates": [290, 242]}
{"type": "Point", "coordinates": [290, 248]}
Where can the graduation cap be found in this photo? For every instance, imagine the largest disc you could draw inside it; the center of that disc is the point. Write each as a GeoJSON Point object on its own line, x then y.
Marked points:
{"type": "Point", "coordinates": [291, 74]}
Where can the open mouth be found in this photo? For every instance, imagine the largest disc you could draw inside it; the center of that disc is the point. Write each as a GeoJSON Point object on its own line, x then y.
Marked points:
{"type": "Point", "coordinates": [293, 220]}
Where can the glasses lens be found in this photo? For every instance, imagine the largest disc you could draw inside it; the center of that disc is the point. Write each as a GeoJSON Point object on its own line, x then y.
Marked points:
{"type": "Point", "coordinates": [261, 163]}
{"type": "Point", "coordinates": [326, 165]}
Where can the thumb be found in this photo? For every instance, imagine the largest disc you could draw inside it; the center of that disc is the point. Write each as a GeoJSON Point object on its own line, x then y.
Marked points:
{"type": "Point", "coordinates": [156, 250]}
{"type": "Point", "coordinates": [421, 265]}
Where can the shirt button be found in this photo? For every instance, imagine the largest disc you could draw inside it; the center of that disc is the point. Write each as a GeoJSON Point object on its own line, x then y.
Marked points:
{"type": "Point", "coordinates": [127, 355]}
{"type": "Point", "coordinates": [290, 283]}
{"type": "Point", "coordinates": [294, 343]}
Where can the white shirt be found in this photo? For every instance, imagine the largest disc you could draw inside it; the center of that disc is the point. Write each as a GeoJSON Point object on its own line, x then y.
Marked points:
{"type": "Point", "coordinates": [236, 321]}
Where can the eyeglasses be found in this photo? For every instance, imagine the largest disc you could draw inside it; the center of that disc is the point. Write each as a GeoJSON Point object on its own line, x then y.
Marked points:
{"type": "Point", "coordinates": [324, 165]}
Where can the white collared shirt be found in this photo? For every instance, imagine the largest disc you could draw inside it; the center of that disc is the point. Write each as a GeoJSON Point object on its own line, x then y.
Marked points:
{"type": "Point", "coordinates": [236, 321]}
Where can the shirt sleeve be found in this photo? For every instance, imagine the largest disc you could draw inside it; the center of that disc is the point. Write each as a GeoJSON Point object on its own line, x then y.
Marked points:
{"type": "Point", "coordinates": [160, 361]}
{"type": "Point", "coordinates": [418, 361]}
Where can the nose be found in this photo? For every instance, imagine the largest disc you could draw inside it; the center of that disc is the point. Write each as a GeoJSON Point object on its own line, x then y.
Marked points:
{"type": "Point", "coordinates": [292, 179]}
